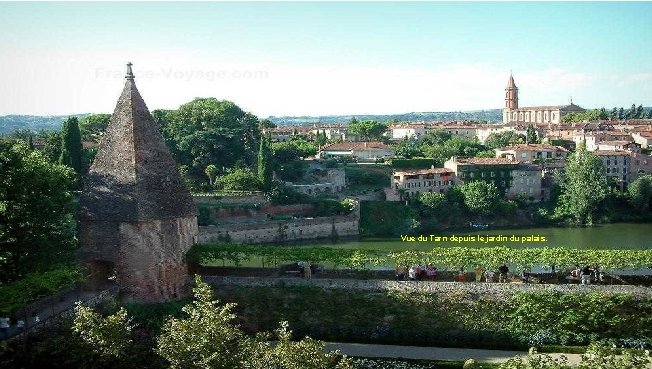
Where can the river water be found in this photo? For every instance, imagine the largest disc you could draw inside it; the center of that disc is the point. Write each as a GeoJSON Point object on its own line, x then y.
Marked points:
{"type": "Point", "coordinates": [607, 236]}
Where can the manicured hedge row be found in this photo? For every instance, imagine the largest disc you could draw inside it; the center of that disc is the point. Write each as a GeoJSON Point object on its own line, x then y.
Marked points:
{"type": "Point", "coordinates": [451, 257]}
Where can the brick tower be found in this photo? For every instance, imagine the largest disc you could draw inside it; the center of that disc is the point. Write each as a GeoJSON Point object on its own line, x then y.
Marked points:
{"type": "Point", "coordinates": [511, 99]}
{"type": "Point", "coordinates": [137, 218]}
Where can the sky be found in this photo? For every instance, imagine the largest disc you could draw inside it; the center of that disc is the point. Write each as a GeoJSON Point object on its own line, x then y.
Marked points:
{"type": "Point", "coordinates": [333, 58]}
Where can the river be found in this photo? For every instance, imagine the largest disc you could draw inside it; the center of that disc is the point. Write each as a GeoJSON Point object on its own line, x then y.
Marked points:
{"type": "Point", "coordinates": [605, 236]}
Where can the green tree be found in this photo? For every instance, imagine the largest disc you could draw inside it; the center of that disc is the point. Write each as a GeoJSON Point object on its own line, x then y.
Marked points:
{"type": "Point", "coordinates": [264, 164]}
{"type": "Point", "coordinates": [36, 211]}
{"type": "Point", "coordinates": [480, 197]}
{"type": "Point", "coordinates": [369, 130]}
{"type": "Point", "coordinates": [631, 113]}
{"type": "Point", "coordinates": [640, 193]}
{"type": "Point", "coordinates": [211, 172]}
{"type": "Point", "coordinates": [409, 147]}
{"type": "Point", "coordinates": [502, 139]}
{"type": "Point", "coordinates": [288, 354]}
{"type": "Point", "coordinates": [614, 114]}
{"type": "Point", "coordinates": [583, 185]}
{"type": "Point", "coordinates": [640, 112]}
{"type": "Point", "coordinates": [621, 113]}
{"type": "Point", "coordinates": [210, 131]}
{"type": "Point", "coordinates": [320, 138]}
{"type": "Point", "coordinates": [109, 337]}
{"type": "Point", "coordinates": [266, 124]}
{"type": "Point", "coordinates": [649, 114]}
{"type": "Point", "coordinates": [206, 338]}
{"type": "Point", "coordinates": [238, 179]}
{"type": "Point", "coordinates": [531, 135]}
{"type": "Point", "coordinates": [93, 126]}
{"type": "Point", "coordinates": [71, 146]}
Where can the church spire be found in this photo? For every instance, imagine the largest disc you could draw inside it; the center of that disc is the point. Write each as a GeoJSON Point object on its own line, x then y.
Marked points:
{"type": "Point", "coordinates": [511, 94]}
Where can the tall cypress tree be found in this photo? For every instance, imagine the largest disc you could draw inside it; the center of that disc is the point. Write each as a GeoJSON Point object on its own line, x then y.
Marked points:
{"type": "Point", "coordinates": [71, 146]}
{"type": "Point", "coordinates": [264, 165]}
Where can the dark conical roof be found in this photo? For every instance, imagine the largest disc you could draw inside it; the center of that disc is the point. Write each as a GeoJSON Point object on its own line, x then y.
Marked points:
{"type": "Point", "coordinates": [134, 176]}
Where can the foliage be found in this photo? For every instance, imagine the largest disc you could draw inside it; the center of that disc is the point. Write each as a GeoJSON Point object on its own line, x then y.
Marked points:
{"type": "Point", "coordinates": [410, 317]}
{"type": "Point", "coordinates": [386, 218]}
{"type": "Point", "coordinates": [264, 165]}
{"type": "Point", "coordinates": [450, 257]}
{"type": "Point", "coordinates": [584, 186]}
{"type": "Point", "coordinates": [238, 179]}
{"type": "Point", "coordinates": [282, 195]}
{"type": "Point", "coordinates": [273, 255]}
{"type": "Point", "coordinates": [36, 285]}
{"type": "Point", "coordinates": [305, 354]}
{"type": "Point", "coordinates": [36, 211]}
{"type": "Point", "coordinates": [408, 148]}
{"type": "Point", "coordinates": [211, 172]}
{"type": "Point", "coordinates": [207, 337]}
{"type": "Point", "coordinates": [109, 337]}
{"type": "Point", "coordinates": [93, 126]}
{"type": "Point", "coordinates": [502, 139]}
{"type": "Point", "coordinates": [597, 356]}
{"type": "Point", "coordinates": [531, 135]}
{"type": "Point", "coordinates": [330, 207]}
{"type": "Point", "coordinates": [640, 193]}
{"type": "Point", "coordinates": [368, 130]}
{"type": "Point", "coordinates": [210, 131]}
{"type": "Point", "coordinates": [297, 147]}
{"type": "Point", "coordinates": [415, 163]}
{"type": "Point", "coordinates": [480, 197]}
{"type": "Point", "coordinates": [291, 171]}
{"type": "Point", "coordinates": [71, 146]}
{"type": "Point", "coordinates": [366, 176]}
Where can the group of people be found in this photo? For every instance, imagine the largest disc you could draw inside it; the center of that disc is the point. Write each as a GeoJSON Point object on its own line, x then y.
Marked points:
{"type": "Point", "coordinates": [416, 273]}
{"type": "Point", "coordinates": [420, 272]}
{"type": "Point", "coordinates": [586, 274]}
{"type": "Point", "coordinates": [5, 324]}
{"type": "Point", "coordinates": [490, 275]}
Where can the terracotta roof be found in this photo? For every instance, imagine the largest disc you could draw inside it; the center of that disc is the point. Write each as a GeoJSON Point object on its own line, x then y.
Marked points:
{"type": "Point", "coordinates": [615, 143]}
{"type": "Point", "coordinates": [486, 161]}
{"type": "Point", "coordinates": [348, 146]}
{"type": "Point", "coordinates": [134, 176]}
{"type": "Point", "coordinates": [611, 153]}
{"type": "Point", "coordinates": [645, 134]}
{"type": "Point", "coordinates": [510, 82]}
{"type": "Point", "coordinates": [426, 171]}
{"type": "Point", "coordinates": [533, 147]}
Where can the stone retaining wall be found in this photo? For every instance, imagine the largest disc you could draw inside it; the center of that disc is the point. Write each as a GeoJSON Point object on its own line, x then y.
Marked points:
{"type": "Point", "coordinates": [496, 289]}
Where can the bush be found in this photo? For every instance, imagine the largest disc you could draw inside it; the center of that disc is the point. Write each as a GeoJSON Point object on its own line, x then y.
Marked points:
{"type": "Point", "coordinates": [415, 163]}
{"type": "Point", "coordinates": [238, 179]}
{"type": "Point", "coordinates": [34, 286]}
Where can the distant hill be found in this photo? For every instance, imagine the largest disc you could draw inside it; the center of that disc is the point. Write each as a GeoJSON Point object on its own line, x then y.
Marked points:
{"type": "Point", "coordinates": [493, 115]}
{"type": "Point", "coordinates": [10, 123]}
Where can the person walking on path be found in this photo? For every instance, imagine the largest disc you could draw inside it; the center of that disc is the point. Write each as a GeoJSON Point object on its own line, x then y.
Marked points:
{"type": "Point", "coordinates": [478, 273]}
{"type": "Point", "coordinates": [503, 270]}
{"type": "Point", "coordinates": [586, 275]}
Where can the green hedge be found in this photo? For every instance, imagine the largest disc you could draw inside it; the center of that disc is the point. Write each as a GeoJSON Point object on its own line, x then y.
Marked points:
{"type": "Point", "coordinates": [517, 321]}
{"type": "Point", "coordinates": [34, 286]}
{"type": "Point", "coordinates": [386, 218]}
{"type": "Point", "coordinates": [452, 257]}
{"type": "Point", "coordinates": [415, 163]}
